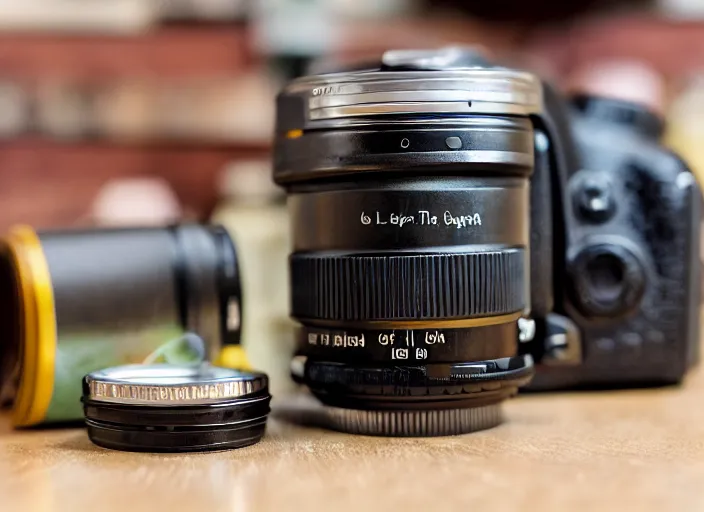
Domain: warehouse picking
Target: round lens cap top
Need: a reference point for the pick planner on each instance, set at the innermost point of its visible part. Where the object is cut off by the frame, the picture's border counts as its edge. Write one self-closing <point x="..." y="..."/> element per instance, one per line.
<point x="171" y="385"/>
<point x="175" y="408"/>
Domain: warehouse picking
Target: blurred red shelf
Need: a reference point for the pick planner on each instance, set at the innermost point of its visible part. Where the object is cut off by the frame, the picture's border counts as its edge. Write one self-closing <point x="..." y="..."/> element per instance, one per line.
<point x="673" y="47"/>
<point x="91" y="145"/>
<point x="169" y="52"/>
<point x="53" y="183"/>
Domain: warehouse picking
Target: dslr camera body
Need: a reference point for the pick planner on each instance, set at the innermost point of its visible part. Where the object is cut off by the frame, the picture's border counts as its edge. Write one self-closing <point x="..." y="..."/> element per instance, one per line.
<point x="623" y="305"/>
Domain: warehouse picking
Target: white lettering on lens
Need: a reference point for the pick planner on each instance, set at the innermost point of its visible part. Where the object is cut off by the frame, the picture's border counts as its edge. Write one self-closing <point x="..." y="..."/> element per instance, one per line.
<point x="410" y="340"/>
<point x="340" y="340"/>
<point x="462" y="221"/>
<point x="399" y="353"/>
<point x="386" y="339"/>
<point x="426" y="218"/>
<point x="329" y="89"/>
<point x="433" y="338"/>
<point x="422" y="218"/>
<point x="399" y="220"/>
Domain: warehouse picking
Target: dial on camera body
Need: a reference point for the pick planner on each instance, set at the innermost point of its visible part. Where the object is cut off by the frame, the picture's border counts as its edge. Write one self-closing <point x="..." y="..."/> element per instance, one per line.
<point x="614" y="248"/>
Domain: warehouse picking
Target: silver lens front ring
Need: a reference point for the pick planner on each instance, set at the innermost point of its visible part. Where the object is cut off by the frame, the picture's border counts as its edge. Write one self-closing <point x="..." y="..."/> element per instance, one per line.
<point x="470" y="91"/>
<point x="164" y="385"/>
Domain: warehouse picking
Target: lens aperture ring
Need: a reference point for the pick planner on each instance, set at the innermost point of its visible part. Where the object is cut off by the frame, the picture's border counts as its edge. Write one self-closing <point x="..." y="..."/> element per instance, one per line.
<point x="411" y="287"/>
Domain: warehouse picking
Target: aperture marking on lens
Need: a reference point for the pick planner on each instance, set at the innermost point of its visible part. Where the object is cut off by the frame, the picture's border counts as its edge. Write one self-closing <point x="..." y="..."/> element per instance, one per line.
<point x="359" y="345"/>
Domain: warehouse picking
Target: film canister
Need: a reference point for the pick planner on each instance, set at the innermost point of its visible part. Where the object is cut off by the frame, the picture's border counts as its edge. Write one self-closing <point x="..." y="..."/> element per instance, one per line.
<point x="76" y="301"/>
<point x="175" y="408"/>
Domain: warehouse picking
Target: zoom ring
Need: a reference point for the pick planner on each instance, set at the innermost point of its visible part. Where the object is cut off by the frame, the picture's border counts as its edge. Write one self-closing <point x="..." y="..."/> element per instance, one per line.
<point x="426" y="286"/>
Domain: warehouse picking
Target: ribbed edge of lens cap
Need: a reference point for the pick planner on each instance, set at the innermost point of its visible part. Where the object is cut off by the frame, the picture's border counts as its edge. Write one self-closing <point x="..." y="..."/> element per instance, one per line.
<point x="427" y="423"/>
<point x="175" y="408"/>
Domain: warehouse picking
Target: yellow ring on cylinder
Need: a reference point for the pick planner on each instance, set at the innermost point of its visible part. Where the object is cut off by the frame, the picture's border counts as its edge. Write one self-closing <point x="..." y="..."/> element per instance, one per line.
<point x="38" y="327"/>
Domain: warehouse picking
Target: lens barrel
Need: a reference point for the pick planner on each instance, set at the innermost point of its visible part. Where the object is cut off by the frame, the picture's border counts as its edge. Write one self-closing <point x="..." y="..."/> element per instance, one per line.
<point x="408" y="192"/>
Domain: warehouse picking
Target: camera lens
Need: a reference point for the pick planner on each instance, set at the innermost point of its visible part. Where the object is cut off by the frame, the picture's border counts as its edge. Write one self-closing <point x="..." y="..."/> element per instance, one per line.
<point x="408" y="192"/>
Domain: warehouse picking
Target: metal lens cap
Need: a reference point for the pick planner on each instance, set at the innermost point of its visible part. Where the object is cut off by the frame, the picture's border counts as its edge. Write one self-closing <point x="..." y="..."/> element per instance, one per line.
<point x="175" y="408"/>
<point x="453" y="57"/>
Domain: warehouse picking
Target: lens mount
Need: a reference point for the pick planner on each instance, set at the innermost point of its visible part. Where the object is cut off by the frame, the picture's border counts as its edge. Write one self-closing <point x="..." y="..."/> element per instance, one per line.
<point x="426" y="423"/>
<point x="429" y="400"/>
<point x="384" y="387"/>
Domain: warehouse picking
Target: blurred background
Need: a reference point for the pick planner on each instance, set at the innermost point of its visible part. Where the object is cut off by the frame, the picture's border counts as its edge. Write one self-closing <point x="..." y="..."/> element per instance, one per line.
<point x="118" y="112"/>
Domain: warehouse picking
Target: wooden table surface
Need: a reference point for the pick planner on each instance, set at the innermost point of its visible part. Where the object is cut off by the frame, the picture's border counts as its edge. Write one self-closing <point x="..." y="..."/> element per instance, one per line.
<point x="636" y="450"/>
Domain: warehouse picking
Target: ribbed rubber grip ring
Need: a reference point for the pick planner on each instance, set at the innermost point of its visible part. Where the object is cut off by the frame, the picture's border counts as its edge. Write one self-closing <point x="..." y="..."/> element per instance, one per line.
<point x="421" y="286"/>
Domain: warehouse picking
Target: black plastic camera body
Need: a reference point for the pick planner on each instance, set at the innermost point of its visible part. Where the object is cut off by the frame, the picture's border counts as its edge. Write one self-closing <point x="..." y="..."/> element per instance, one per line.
<point x="617" y="217"/>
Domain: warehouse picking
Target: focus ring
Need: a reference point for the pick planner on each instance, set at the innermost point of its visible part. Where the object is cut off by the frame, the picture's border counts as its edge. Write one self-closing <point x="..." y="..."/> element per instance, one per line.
<point x="422" y="286"/>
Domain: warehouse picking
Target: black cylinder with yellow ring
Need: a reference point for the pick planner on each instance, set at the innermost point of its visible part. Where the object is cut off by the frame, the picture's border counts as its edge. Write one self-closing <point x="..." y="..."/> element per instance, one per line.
<point x="72" y="302"/>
